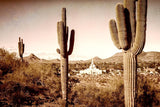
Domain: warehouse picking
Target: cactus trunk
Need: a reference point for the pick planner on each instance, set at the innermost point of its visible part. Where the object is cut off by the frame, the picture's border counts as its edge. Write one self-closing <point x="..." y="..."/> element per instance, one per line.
<point x="64" y="78"/>
<point x="129" y="34"/>
<point x="64" y="62"/>
<point x="62" y="31"/>
<point x="130" y="78"/>
<point x="21" y="48"/>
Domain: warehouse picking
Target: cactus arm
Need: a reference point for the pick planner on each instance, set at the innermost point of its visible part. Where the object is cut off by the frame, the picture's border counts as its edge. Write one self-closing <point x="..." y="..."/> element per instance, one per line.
<point x="23" y="48"/>
<point x="71" y="42"/>
<point x="19" y="48"/>
<point x="58" y="32"/>
<point x="140" y="27"/>
<point x="58" y="51"/>
<point x="67" y="28"/>
<point x="130" y="5"/>
<point x="121" y="24"/>
<point x="114" y="33"/>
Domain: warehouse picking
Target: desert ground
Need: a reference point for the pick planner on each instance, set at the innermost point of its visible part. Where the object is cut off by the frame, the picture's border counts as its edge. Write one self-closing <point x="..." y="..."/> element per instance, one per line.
<point x="36" y="82"/>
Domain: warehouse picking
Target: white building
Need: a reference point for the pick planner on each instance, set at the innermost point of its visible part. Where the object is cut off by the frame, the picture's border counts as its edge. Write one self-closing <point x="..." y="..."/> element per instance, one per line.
<point x="91" y="70"/>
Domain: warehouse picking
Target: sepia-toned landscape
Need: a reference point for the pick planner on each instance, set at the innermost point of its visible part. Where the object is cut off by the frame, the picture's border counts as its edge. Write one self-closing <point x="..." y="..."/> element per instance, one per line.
<point x="37" y="81"/>
<point x="82" y="71"/>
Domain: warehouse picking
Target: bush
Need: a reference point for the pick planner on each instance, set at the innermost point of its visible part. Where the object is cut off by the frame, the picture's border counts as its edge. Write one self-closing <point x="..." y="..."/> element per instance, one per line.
<point x="148" y="91"/>
<point x="30" y="87"/>
<point x="8" y="62"/>
<point x="108" y="91"/>
<point x="94" y="94"/>
<point x="27" y="84"/>
<point x="38" y="83"/>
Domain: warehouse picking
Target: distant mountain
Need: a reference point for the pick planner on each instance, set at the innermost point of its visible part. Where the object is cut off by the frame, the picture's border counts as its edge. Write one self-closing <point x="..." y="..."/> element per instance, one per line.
<point x="149" y="57"/>
<point x="116" y="58"/>
<point x="32" y="58"/>
<point x="95" y="59"/>
<point x="143" y="57"/>
<point x="52" y="61"/>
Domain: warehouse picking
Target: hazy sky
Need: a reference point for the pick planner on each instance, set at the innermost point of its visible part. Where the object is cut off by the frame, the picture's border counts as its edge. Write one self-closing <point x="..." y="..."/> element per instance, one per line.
<point x="36" y="22"/>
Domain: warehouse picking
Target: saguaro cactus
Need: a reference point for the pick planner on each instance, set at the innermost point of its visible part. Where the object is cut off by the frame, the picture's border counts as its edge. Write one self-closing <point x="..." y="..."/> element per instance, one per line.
<point x="21" y="48"/>
<point x="129" y="34"/>
<point x="62" y="30"/>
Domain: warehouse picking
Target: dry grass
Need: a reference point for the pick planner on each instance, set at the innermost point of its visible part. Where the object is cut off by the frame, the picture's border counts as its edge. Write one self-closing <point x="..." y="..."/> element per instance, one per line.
<point x="99" y="91"/>
<point x="27" y="84"/>
<point x="149" y="90"/>
<point x="108" y="91"/>
<point x="39" y="84"/>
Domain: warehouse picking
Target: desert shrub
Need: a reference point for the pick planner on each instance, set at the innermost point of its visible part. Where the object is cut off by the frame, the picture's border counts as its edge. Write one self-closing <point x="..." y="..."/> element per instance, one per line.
<point x="93" y="94"/>
<point x="35" y="73"/>
<point x="8" y="62"/>
<point x="148" y="91"/>
<point x="37" y="83"/>
<point x="157" y="69"/>
<point x="108" y="91"/>
<point x="23" y="83"/>
<point x="15" y="94"/>
<point x="34" y="84"/>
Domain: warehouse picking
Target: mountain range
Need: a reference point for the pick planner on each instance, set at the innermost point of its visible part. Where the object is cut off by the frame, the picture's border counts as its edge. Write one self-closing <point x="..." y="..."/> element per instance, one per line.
<point x="116" y="58"/>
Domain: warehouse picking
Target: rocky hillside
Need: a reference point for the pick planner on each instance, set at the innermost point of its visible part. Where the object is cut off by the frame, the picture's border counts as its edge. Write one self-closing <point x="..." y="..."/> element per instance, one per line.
<point x="32" y="58"/>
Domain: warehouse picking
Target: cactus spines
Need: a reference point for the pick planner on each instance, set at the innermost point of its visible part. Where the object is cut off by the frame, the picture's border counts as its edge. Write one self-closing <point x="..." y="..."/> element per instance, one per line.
<point x="21" y="48"/>
<point x="129" y="34"/>
<point x="62" y="31"/>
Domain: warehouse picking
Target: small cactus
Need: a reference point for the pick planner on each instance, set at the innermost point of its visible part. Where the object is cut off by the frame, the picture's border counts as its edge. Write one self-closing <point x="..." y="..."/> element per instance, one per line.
<point x="62" y="31"/>
<point x="21" y="48"/>
<point x="129" y="34"/>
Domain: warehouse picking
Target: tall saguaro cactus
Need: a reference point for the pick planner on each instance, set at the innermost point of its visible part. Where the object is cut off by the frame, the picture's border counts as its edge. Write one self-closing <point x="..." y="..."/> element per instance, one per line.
<point x="21" y="48"/>
<point x="62" y="30"/>
<point x="129" y="34"/>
